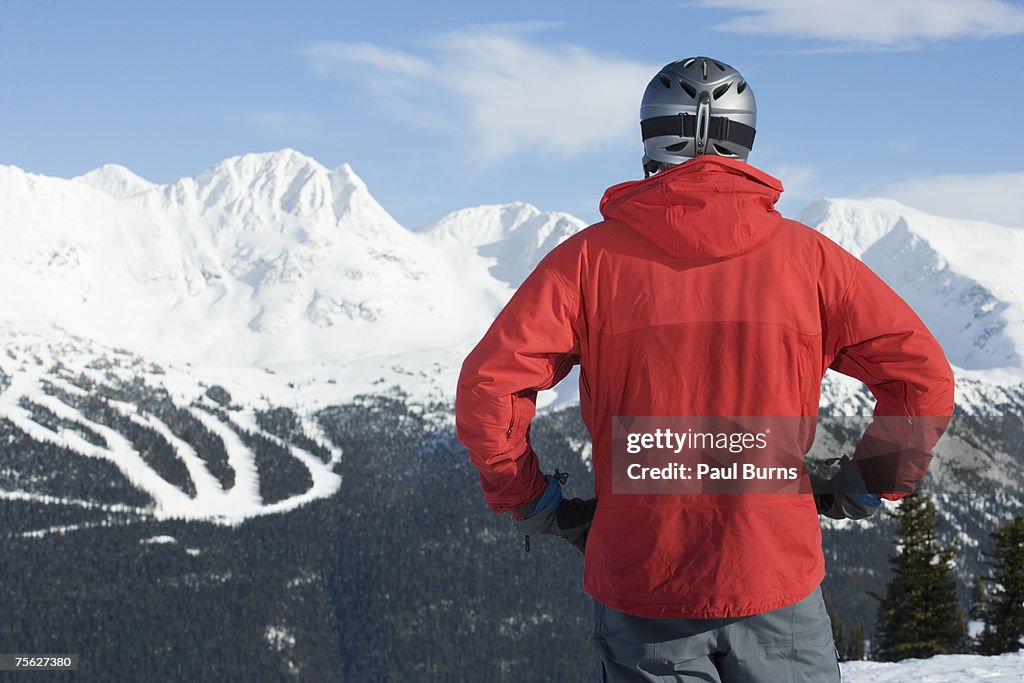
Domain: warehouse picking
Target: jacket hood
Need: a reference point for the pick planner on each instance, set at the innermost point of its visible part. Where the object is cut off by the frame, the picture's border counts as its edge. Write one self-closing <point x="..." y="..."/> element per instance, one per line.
<point x="708" y="207"/>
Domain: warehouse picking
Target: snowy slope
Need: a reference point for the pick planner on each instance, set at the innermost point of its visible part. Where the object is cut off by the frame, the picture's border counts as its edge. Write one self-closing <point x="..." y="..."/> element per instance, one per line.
<point x="1008" y="668"/>
<point x="97" y="404"/>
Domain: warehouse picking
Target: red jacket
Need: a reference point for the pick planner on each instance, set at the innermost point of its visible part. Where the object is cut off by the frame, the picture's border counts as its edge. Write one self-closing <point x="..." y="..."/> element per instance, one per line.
<point x="693" y="297"/>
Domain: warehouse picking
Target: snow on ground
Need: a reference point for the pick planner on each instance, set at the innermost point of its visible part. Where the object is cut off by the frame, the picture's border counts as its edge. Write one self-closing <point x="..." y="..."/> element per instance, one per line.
<point x="1008" y="668"/>
<point x="158" y="540"/>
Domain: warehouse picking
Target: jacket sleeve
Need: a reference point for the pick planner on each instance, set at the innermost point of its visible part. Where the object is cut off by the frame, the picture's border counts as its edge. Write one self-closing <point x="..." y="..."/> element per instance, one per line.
<point x="531" y="346"/>
<point x="874" y="336"/>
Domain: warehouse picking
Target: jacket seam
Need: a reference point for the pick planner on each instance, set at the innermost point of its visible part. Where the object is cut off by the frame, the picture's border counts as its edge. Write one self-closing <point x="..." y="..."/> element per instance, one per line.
<point x="846" y="292"/>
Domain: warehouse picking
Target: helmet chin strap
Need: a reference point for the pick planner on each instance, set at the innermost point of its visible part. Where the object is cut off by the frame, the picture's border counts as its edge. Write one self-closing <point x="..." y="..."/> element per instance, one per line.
<point x="650" y="166"/>
<point x="703" y="122"/>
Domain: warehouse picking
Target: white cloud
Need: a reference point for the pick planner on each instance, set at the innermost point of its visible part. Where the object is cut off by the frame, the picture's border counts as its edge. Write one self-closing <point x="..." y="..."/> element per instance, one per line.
<point x="994" y="197"/>
<point x="328" y="57"/>
<point x="873" y="24"/>
<point x="503" y="91"/>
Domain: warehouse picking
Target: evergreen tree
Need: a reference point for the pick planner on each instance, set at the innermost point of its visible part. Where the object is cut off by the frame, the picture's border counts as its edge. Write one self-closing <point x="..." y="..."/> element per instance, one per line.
<point x="979" y="611"/>
<point x="855" y="644"/>
<point x="1005" y="626"/>
<point x="920" y="615"/>
<point x="979" y="599"/>
<point x="838" y="630"/>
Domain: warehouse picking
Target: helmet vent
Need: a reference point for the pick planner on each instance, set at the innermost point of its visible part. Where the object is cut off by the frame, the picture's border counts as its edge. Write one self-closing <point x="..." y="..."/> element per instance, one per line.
<point x="722" y="151"/>
<point x="690" y="90"/>
<point x="688" y="62"/>
<point x="665" y="81"/>
<point x="678" y="147"/>
<point x="740" y="87"/>
<point x="718" y="64"/>
<point x="721" y="90"/>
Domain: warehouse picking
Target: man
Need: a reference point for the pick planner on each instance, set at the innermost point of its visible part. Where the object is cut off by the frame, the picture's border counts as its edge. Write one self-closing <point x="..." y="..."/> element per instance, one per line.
<point x="694" y="297"/>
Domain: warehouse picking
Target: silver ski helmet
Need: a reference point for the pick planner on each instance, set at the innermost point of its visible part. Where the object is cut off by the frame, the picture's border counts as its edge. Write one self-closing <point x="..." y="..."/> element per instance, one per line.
<point x="696" y="106"/>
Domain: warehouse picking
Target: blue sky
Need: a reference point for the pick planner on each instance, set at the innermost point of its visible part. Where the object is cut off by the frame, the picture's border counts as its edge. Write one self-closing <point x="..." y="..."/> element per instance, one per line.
<point x="440" y="106"/>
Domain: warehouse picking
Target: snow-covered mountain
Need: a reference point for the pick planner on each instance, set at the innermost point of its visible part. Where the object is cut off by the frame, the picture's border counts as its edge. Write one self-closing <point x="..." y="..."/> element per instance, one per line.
<point x="962" y="277"/>
<point x="265" y="260"/>
<point x="272" y="260"/>
<point x="287" y="283"/>
<point x="514" y="237"/>
<point x="127" y="303"/>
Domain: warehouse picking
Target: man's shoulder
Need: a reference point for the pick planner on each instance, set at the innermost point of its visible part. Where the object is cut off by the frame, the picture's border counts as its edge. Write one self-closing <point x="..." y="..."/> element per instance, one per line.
<point x="571" y="257"/>
<point x="797" y="232"/>
<point x="599" y="234"/>
<point x="588" y="238"/>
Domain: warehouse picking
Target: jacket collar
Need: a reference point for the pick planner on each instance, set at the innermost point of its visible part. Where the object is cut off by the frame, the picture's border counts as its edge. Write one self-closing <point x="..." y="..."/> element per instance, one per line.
<point x="707" y="207"/>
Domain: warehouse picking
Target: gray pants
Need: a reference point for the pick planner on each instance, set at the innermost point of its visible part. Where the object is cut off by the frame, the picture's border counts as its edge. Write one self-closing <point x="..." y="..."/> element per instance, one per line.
<point x="792" y="644"/>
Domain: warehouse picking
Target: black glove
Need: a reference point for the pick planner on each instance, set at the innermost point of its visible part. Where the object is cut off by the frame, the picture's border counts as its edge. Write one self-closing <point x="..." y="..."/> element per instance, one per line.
<point x="844" y="495"/>
<point x="556" y="516"/>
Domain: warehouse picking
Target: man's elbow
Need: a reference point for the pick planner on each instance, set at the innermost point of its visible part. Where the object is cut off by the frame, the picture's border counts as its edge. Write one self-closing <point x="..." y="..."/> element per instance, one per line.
<point x="935" y="384"/>
<point x="944" y="387"/>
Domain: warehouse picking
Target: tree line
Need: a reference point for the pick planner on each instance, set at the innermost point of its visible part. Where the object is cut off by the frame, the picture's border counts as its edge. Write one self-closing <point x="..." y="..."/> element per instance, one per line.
<point x="403" y="574"/>
<point x="920" y="615"/>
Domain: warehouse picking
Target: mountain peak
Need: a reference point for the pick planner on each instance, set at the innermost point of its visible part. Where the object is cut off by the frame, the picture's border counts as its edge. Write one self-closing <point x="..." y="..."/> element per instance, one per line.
<point x="258" y="164"/>
<point x="480" y="225"/>
<point x="855" y="224"/>
<point x="515" y="235"/>
<point x="344" y="176"/>
<point x="960" y="276"/>
<point x="115" y="180"/>
<point x="284" y="181"/>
